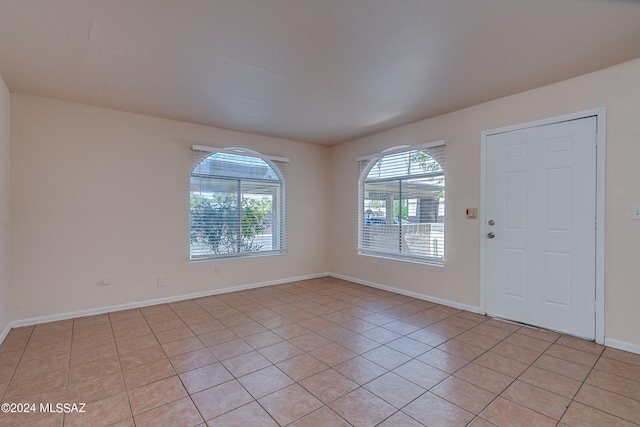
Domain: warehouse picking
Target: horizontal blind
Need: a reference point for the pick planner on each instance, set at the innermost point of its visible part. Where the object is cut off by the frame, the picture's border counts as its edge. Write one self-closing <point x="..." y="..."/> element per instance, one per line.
<point x="401" y="203"/>
<point x="237" y="203"/>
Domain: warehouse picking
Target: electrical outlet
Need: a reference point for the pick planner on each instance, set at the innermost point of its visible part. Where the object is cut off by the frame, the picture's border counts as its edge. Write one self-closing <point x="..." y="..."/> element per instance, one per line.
<point x="106" y="281"/>
<point x="376" y="266"/>
<point x="217" y="269"/>
<point x="635" y="213"/>
<point x="162" y="281"/>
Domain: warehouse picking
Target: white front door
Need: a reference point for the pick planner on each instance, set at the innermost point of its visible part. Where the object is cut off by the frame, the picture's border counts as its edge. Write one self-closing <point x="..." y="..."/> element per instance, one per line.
<point x="540" y="212"/>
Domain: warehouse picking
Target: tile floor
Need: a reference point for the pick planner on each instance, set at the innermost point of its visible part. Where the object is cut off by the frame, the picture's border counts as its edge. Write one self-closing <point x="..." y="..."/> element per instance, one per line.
<point x="320" y="352"/>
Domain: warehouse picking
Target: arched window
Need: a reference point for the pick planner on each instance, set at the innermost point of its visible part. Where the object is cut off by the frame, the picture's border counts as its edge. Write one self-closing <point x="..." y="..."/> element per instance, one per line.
<point x="237" y="205"/>
<point x="402" y="204"/>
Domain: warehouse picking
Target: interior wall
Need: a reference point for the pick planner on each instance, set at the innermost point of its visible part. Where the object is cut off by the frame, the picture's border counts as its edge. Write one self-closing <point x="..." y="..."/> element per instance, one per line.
<point x="616" y="88"/>
<point x="99" y="193"/>
<point x="5" y="234"/>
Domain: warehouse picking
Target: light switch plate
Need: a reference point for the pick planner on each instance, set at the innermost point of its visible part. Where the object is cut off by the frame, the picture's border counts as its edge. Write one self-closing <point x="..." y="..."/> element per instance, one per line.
<point x="472" y="213"/>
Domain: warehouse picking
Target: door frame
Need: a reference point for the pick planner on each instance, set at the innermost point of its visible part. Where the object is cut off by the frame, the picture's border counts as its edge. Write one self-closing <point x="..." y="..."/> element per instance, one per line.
<point x="600" y="115"/>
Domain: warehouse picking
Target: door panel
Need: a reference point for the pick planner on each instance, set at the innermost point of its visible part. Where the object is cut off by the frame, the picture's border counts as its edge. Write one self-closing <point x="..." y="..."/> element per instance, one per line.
<point x="557" y="278"/>
<point x="514" y="272"/>
<point x="540" y="192"/>
<point x="557" y="201"/>
<point x="515" y="190"/>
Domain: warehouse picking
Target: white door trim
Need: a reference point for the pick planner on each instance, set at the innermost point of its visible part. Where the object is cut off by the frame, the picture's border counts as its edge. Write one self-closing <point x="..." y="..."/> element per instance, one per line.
<point x="600" y="114"/>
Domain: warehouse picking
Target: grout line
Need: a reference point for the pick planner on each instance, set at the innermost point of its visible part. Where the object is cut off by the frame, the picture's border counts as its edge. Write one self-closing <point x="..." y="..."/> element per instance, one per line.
<point x="376" y="302"/>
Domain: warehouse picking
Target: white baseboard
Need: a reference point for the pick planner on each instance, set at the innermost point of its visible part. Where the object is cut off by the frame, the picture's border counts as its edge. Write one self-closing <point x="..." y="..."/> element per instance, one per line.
<point x="416" y="295"/>
<point x="622" y="345"/>
<point x="5" y="332"/>
<point x="609" y="342"/>
<point x="138" y="304"/>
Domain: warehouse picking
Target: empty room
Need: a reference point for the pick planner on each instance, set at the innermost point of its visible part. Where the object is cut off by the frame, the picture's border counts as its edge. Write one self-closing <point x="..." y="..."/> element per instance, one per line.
<point x="319" y="213"/>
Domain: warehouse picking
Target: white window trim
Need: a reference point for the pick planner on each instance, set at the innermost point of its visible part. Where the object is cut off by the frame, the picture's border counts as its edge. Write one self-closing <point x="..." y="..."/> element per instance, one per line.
<point x="283" y="209"/>
<point x="431" y="261"/>
<point x="402" y="149"/>
<point x="239" y="151"/>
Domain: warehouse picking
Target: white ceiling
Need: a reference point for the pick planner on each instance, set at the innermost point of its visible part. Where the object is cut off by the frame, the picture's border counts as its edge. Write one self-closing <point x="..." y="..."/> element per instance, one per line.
<point x="320" y="71"/>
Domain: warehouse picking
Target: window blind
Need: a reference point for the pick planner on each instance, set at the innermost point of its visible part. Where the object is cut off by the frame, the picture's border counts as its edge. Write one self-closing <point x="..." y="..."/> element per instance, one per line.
<point x="401" y="203"/>
<point x="237" y="203"/>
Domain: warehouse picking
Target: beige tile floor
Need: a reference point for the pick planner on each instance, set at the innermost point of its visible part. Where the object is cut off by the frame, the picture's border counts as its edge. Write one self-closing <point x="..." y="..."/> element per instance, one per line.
<point x="320" y="352"/>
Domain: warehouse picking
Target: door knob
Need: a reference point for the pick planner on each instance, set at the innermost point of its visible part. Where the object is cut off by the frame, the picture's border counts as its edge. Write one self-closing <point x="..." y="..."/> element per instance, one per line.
<point x="490" y="235"/>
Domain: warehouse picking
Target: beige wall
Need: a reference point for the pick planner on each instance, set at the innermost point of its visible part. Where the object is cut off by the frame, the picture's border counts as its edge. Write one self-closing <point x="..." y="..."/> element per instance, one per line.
<point x="616" y="88"/>
<point x="98" y="193"/>
<point x="5" y="236"/>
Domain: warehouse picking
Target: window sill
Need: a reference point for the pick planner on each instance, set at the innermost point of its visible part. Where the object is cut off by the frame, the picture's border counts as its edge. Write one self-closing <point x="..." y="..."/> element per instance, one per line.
<point x="221" y="257"/>
<point x="432" y="262"/>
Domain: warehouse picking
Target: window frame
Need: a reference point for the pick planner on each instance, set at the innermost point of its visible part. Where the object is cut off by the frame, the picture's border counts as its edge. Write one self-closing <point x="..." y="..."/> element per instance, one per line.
<point x="278" y="200"/>
<point x="367" y="164"/>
